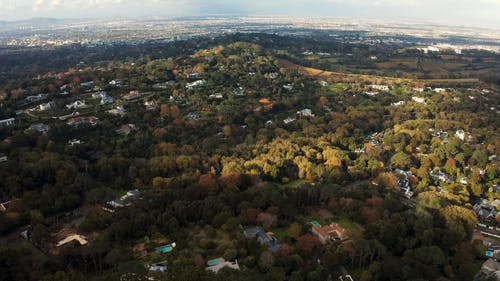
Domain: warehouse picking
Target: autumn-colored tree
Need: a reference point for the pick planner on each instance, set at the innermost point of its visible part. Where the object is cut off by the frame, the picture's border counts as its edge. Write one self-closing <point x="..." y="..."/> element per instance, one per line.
<point x="294" y="230"/>
<point x="307" y="243"/>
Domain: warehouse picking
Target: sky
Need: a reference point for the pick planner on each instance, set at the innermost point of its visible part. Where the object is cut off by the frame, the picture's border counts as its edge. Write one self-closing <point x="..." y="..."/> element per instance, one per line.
<point x="454" y="12"/>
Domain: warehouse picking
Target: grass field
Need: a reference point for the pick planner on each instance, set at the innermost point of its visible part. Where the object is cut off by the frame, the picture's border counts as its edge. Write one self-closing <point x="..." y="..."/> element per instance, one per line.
<point x="322" y="74"/>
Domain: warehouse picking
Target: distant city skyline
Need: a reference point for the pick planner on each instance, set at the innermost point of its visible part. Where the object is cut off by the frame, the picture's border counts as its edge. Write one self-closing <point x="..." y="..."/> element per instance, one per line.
<point x="453" y="12"/>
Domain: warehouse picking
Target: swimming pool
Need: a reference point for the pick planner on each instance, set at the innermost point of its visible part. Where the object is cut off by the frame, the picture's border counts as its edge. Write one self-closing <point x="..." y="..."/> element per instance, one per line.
<point x="315" y="223"/>
<point x="164" y="249"/>
<point x="215" y="261"/>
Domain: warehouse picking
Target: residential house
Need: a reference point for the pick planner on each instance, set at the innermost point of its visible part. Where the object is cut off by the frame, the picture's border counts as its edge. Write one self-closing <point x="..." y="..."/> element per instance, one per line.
<point x="132" y="95"/>
<point x="493" y="251"/>
<point x="305" y="112"/>
<point x="460" y="134"/>
<point x="40" y="128"/>
<point x="3" y="158"/>
<point x="289" y="120"/>
<point x="268" y="123"/>
<point x="66" y="86"/>
<point x="65" y="117"/>
<point x="193" y="74"/>
<point x="490" y="268"/>
<point x="7" y="122"/>
<point x="272" y="75"/>
<point x="195" y="115"/>
<point x="117" y="111"/>
<point x="218" y="96"/>
<point x="418" y="100"/>
<point x="92" y="120"/>
<point x="239" y="92"/>
<point x="75" y="105"/>
<point x="116" y="82"/>
<point x="192" y="85"/>
<point x="87" y="84"/>
<point x="124" y="201"/>
<point x="485" y="210"/>
<point x="384" y="88"/>
<point x="82" y="240"/>
<point x="46" y="106"/>
<point x="126" y="129"/>
<point x="158" y="267"/>
<point x="99" y="95"/>
<point x="440" y="176"/>
<point x="399" y="103"/>
<point x="223" y="264"/>
<point x="164" y="85"/>
<point x="107" y="100"/>
<point x="264" y="238"/>
<point x="151" y="105"/>
<point x="329" y="233"/>
<point x="464" y="180"/>
<point x="288" y="87"/>
<point x="36" y="98"/>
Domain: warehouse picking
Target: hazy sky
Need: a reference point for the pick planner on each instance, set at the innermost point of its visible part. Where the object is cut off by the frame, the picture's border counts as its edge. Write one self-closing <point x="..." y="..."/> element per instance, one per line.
<point x="464" y="12"/>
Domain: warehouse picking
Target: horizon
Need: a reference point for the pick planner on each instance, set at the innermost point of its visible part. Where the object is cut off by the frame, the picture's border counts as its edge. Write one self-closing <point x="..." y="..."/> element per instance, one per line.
<point x="481" y="14"/>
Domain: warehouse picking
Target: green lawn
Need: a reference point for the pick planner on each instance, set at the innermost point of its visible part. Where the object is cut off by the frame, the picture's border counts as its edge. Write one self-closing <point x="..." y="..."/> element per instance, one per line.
<point x="355" y="229"/>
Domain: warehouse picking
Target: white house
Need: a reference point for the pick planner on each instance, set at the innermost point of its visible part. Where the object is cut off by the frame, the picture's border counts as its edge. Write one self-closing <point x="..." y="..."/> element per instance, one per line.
<point x="460" y="134"/>
<point x="305" y="112"/>
<point x="418" y="100"/>
<point x="75" y="105"/>
<point x="289" y="120"/>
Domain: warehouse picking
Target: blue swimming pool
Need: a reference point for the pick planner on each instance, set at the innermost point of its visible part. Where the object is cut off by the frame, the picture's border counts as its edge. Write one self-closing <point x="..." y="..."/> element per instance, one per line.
<point x="315" y="223"/>
<point x="164" y="249"/>
<point x="215" y="261"/>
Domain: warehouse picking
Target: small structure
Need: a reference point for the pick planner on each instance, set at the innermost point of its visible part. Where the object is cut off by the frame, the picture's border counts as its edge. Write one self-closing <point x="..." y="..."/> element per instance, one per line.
<point x="398" y="103"/>
<point x="73" y="142"/>
<point x="166" y="248"/>
<point x="329" y="233"/>
<point x="158" y="267"/>
<point x="288" y="87"/>
<point x="221" y="263"/>
<point x="79" y="238"/>
<point x="3" y="158"/>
